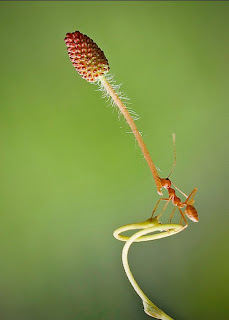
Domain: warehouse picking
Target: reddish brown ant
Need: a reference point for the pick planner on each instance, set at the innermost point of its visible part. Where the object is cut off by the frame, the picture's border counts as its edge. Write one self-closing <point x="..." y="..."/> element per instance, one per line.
<point x="190" y="211"/>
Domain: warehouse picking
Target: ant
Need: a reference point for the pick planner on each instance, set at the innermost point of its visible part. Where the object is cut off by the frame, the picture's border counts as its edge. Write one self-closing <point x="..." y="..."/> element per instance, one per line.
<point x="190" y="211"/>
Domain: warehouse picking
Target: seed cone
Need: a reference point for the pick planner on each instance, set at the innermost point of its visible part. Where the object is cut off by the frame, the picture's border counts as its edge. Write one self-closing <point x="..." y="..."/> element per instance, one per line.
<point x="87" y="58"/>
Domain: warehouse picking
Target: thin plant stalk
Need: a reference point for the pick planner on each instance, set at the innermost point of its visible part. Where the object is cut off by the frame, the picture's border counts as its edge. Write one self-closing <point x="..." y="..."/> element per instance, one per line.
<point x="111" y="92"/>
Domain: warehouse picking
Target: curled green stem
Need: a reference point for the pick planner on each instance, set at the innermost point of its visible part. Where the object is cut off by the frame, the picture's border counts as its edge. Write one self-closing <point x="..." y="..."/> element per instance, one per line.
<point x="147" y="227"/>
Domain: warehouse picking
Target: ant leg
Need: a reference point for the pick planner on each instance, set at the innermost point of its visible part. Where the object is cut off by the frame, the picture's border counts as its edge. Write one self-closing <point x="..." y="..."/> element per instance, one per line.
<point x="170" y="219"/>
<point x="183" y="217"/>
<point x="170" y="198"/>
<point x="158" y="204"/>
<point x="190" y="200"/>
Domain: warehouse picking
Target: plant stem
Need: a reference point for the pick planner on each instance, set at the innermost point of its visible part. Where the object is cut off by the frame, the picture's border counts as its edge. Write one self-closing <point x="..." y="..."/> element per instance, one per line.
<point x="134" y="129"/>
<point x="149" y="226"/>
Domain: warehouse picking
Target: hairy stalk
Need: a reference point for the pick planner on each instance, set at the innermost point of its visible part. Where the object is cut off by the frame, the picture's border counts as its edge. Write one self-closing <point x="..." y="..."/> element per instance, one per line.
<point x="148" y="226"/>
<point x="111" y="92"/>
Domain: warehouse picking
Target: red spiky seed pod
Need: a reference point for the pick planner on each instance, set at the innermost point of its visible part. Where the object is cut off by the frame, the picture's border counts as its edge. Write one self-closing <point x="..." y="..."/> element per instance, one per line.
<point x="87" y="58"/>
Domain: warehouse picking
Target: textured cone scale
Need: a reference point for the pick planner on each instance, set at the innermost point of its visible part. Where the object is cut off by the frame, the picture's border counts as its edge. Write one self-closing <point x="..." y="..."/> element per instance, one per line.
<point x="87" y="58"/>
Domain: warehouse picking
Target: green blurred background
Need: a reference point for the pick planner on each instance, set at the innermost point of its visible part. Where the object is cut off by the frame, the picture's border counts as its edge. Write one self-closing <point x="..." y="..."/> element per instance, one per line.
<point x="71" y="174"/>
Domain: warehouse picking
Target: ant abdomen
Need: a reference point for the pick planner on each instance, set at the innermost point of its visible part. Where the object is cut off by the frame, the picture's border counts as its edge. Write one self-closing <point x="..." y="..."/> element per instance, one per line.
<point x="191" y="213"/>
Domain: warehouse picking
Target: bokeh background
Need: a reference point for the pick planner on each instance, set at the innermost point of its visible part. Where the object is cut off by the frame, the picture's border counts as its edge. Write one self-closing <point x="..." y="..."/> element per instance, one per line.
<point x="70" y="173"/>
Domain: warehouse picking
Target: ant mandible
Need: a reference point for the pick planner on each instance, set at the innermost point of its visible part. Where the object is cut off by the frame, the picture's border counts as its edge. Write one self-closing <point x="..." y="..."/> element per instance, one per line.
<point x="190" y="211"/>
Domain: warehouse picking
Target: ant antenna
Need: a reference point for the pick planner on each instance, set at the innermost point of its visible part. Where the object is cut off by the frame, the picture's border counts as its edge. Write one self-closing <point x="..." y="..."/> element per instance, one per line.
<point x="174" y="153"/>
<point x="180" y="191"/>
<point x="174" y="163"/>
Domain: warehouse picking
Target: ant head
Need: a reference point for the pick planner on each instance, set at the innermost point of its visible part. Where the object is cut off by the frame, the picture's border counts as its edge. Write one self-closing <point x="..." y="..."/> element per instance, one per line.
<point x="166" y="183"/>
